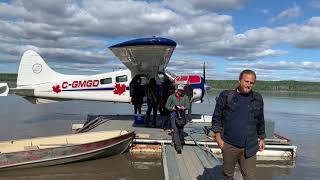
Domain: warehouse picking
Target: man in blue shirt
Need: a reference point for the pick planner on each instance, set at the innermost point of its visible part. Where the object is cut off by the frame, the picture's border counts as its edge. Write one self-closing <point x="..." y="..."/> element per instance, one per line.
<point x="238" y="124"/>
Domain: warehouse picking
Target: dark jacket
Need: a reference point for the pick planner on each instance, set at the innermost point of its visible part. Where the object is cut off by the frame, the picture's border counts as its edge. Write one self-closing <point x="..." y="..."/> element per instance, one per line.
<point x="153" y="94"/>
<point x="137" y="93"/>
<point x="225" y="105"/>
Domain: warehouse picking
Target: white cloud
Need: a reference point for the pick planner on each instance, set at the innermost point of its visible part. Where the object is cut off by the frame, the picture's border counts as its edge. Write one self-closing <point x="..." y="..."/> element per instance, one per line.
<point x="290" y="13"/>
<point x="264" y="11"/>
<point x="281" y="70"/>
<point x="79" y="31"/>
<point x="193" y="7"/>
<point x="86" y="68"/>
<point x="73" y="27"/>
<point x="190" y="66"/>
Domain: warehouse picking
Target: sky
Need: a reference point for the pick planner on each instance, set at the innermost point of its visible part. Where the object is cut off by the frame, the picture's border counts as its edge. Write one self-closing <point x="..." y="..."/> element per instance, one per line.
<point x="279" y="40"/>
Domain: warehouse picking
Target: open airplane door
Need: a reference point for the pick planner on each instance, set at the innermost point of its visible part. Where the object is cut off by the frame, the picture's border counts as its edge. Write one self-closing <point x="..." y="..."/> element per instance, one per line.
<point x="146" y="55"/>
<point x="4" y="89"/>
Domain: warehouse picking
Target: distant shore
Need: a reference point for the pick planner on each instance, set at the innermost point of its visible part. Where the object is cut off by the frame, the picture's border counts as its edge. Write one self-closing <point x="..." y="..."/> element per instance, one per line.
<point x="215" y="92"/>
<point x="270" y="86"/>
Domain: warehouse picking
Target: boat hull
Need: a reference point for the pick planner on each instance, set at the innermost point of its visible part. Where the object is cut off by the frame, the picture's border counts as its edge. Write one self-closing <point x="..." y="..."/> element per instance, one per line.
<point x="66" y="154"/>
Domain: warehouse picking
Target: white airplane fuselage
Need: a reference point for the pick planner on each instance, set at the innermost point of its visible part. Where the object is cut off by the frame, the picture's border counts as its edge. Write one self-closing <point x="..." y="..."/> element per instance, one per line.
<point x="113" y="87"/>
<point x="148" y="57"/>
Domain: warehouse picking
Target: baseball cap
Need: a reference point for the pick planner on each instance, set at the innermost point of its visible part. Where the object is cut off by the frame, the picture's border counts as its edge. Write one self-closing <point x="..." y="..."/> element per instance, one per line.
<point x="180" y="87"/>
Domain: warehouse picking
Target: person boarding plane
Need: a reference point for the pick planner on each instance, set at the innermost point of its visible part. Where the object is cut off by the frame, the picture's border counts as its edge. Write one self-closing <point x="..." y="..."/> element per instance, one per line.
<point x="147" y="57"/>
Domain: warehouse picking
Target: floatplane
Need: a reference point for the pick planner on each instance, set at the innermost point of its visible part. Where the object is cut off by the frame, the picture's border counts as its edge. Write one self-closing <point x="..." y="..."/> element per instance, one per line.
<point x="146" y="57"/>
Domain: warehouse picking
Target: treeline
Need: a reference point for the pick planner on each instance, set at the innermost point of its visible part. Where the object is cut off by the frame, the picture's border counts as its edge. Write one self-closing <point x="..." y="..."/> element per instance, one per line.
<point x="269" y="85"/>
<point x="5" y="77"/>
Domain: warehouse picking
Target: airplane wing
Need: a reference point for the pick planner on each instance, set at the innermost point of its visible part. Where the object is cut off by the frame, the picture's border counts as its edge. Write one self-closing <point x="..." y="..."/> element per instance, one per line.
<point x="146" y="55"/>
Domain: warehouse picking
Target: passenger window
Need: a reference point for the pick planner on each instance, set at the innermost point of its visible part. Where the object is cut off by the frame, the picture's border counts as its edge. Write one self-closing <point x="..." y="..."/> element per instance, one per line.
<point x="123" y="78"/>
<point x="106" y="81"/>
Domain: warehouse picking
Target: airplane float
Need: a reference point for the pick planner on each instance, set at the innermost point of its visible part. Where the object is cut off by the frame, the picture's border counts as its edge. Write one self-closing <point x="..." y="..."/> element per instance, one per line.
<point x="145" y="57"/>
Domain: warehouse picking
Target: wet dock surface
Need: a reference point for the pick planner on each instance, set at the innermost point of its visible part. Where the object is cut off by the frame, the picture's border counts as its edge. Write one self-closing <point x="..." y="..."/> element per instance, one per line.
<point x="193" y="131"/>
<point x="195" y="162"/>
<point x="192" y="163"/>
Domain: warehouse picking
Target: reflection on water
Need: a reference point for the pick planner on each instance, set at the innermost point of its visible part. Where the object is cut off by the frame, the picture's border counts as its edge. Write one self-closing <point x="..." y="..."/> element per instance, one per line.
<point x="296" y="117"/>
<point x="125" y="166"/>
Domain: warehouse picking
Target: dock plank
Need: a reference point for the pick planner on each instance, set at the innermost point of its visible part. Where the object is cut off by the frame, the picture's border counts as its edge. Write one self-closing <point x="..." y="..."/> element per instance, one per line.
<point x="182" y="166"/>
<point x="172" y="164"/>
<point x="191" y="161"/>
<point x="212" y="166"/>
<point x="192" y="164"/>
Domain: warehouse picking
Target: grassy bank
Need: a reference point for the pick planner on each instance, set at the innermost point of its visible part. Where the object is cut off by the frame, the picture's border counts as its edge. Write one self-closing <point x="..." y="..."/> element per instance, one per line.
<point x="10" y="78"/>
<point x="4" y="77"/>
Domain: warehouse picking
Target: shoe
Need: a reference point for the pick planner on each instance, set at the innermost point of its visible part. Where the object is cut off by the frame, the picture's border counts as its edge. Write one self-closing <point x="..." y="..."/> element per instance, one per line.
<point x="172" y="144"/>
<point x="179" y="151"/>
<point x="206" y="130"/>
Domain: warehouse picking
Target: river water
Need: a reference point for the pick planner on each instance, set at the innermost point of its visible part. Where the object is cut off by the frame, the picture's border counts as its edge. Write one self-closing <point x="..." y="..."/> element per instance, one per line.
<point x="297" y="117"/>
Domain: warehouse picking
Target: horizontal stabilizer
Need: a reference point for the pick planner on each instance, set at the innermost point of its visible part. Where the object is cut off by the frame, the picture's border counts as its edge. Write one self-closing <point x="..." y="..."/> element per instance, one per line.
<point x="4" y="89"/>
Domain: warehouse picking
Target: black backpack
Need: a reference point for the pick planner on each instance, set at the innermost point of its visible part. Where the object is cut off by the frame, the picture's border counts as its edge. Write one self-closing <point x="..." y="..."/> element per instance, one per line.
<point x="181" y="120"/>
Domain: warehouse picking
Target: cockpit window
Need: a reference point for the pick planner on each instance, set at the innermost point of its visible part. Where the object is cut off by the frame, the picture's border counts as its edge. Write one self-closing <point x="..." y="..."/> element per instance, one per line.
<point x="106" y="81"/>
<point x="123" y="78"/>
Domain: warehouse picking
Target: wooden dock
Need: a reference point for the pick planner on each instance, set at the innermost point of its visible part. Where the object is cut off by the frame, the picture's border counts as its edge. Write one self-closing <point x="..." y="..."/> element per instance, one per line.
<point x="198" y="159"/>
<point x="195" y="161"/>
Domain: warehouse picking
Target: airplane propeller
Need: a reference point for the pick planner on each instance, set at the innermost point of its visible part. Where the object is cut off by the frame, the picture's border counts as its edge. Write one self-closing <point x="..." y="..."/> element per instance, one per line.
<point x="206" y="87"/>
<point x="204" y="72"/>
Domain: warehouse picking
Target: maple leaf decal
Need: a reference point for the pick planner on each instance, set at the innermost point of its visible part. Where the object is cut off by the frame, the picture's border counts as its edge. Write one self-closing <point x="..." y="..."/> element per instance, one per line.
<point x="56" y="89"/>
<point x="119" y="89"/>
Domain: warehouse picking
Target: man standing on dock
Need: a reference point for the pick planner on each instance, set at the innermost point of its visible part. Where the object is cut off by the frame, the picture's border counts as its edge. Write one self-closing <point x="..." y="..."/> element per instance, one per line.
<point x="153" y="97"/>
<point x="238" y="125"/>
<point x="175" y="101"/>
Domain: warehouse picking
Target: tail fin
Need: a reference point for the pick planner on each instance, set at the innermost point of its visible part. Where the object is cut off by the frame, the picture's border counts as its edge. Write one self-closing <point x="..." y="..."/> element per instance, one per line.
<point x="34" y="71"/>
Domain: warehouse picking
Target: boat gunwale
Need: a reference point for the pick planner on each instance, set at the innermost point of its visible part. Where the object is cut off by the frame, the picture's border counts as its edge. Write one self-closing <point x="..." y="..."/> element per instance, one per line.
<point x="60" y="145"/>
<point x="69" y="135"/>
<point x="130" y="134"/>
